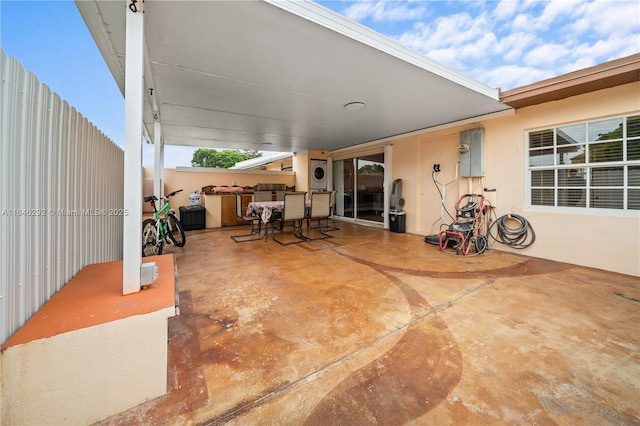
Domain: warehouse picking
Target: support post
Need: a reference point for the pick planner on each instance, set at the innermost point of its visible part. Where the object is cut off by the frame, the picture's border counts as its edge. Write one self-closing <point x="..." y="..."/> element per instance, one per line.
<point x="134" y="86"/>
<point x="158" y="160"/>
<point x="388" y="174"/>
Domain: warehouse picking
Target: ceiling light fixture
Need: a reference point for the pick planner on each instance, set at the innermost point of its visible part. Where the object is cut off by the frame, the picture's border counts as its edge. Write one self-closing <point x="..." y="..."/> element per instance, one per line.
<point x="354" y="106"/>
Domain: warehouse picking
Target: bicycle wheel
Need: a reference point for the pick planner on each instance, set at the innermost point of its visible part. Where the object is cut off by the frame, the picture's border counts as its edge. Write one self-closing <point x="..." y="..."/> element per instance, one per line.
<point x="175" y="231"/>
<point x="150" y="246"/>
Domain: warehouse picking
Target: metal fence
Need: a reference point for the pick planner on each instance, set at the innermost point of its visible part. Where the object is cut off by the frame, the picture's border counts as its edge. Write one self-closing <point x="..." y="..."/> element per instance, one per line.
<point x="61" y="195"/>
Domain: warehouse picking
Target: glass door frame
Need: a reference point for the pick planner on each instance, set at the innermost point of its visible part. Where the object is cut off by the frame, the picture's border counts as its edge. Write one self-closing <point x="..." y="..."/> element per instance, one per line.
<point x="343" y="210"/>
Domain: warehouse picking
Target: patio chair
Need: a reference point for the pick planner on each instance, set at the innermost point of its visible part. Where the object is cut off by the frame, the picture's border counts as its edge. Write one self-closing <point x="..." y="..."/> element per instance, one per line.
<point x="320" y="210"/>
<point x="294" y="211"/>
<point x="256" y="223"/>
<point x="262" y="196"/>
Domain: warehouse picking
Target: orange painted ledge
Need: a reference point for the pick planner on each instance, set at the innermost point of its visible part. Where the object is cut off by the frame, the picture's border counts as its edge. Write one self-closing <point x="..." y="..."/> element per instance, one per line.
<point x="94" y="297"/>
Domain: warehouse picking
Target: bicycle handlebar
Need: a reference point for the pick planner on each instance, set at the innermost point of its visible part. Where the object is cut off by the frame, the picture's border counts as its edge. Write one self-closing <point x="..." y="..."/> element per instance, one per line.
<point x="173" y="193"/>
<point x="153" y="198"/>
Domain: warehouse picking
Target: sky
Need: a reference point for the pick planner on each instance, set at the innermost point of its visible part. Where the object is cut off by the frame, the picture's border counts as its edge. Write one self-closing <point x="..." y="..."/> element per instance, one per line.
<point x="504" y="44"/>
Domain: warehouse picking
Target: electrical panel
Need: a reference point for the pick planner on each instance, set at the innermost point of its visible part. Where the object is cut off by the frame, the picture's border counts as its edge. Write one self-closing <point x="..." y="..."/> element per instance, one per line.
<point x="472" y="153"/>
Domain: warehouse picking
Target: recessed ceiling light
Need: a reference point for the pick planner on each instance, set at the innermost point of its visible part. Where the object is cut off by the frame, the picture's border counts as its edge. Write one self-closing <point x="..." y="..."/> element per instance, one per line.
<point x="354" y="106"/>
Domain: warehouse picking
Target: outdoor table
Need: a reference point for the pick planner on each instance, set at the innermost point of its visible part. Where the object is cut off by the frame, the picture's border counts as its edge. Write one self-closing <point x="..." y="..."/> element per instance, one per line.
<point x="265" y="210"/>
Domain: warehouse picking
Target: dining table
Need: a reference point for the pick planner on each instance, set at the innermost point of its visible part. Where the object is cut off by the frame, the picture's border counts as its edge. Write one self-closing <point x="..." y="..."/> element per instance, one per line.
<point x="265" y="210"/>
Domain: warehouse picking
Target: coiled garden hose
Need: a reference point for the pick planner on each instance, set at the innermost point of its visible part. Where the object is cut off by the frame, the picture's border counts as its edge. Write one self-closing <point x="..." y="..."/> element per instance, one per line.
<point x="515" y="237"/>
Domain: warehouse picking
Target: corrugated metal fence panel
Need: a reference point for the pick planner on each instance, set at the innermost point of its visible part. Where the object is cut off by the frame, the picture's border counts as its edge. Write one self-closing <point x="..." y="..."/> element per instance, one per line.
<point x="61" y="195"/>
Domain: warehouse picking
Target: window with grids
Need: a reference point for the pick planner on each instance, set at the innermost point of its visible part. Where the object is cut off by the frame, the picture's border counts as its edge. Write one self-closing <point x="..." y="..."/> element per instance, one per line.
<point x="591" y="165"/>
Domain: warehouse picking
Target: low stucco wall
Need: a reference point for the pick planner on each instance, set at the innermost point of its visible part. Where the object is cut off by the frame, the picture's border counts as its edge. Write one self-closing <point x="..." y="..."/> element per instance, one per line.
<point x="89" y="352"/>
<point x="86" y="375"/>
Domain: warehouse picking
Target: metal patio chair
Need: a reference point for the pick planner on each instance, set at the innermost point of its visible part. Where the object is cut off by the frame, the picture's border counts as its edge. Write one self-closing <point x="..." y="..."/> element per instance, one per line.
<point x="294" y="211"/>
<point x="255" y="220"/>
<point x="320" y="211"/>
<point x="262" y="196"/>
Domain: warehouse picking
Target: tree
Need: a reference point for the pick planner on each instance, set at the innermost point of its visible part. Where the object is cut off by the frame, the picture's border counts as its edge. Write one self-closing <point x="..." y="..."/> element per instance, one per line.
<point x="371" y="169"/>
<point x="207" y="157"/>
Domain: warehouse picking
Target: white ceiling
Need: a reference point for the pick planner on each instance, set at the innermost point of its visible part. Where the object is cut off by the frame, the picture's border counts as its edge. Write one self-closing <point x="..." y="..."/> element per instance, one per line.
<point x="276" y="75"/>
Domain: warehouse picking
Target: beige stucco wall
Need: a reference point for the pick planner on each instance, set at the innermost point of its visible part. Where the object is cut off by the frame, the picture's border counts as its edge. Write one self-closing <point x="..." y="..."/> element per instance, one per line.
<point x="193" y="179"/>
<point x="604" y="240"/>
<point x="300" y="162"/>
<point x="86" y="375"/>
<point x="301" y="165"/>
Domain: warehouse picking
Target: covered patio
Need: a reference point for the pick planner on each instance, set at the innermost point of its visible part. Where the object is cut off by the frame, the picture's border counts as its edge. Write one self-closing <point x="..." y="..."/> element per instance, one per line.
<point x="284" y="76"/>
<point x="373" y="327"/>
<point x="369" y="327"/>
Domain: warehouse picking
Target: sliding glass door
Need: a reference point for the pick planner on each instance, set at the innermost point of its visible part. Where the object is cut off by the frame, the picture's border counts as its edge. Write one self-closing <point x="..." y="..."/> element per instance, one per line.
<point x="359" y="185"/>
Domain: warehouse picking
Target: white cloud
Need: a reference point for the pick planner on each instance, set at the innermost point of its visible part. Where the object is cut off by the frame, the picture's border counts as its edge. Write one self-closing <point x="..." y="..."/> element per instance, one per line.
<point x="459" y="29"/>
<point x="608" y="18"/>
<point x="514" y="42"/>
<point x="450" y="31"/>
<point x="557" y="10"/>
<point x="505" y="10"/>
<point x="381" y="11"/>
<point x="479" y="48"/>
<point x="510" y="76"/>
<point x="360" y="11"/>
<point x="448" y="57"/>
<point x="523" y="20"/>
<point x="513" y="46"/>
<point x="605" y="50"/>
<point x="546" y="54"/>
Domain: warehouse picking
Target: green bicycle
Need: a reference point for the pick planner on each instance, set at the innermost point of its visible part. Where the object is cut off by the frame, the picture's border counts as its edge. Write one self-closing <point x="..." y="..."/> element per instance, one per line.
<point x="163" y="229"/>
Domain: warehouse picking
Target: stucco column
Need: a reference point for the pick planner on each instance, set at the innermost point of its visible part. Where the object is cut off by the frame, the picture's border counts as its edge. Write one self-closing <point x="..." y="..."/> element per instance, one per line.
<point x="388" y="174"/>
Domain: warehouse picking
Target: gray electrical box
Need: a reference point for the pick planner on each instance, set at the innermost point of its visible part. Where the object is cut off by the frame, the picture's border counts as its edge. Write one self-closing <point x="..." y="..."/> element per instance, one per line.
<point x="148" y="273"/>
<point x="472" y="153"/>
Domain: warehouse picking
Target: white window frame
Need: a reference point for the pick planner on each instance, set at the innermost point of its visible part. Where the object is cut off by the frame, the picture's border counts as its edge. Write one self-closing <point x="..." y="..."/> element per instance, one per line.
<point x="588" y="166"/>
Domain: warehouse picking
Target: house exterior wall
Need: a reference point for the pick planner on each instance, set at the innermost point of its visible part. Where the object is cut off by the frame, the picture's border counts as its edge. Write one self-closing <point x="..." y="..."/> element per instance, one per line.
<point x="607" y="240"/>
<point x="300" y="164"/>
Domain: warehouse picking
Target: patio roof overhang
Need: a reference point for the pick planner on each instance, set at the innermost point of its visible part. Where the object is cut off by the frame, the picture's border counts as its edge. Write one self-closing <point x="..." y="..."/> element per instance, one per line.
<point x="276" y="76"/>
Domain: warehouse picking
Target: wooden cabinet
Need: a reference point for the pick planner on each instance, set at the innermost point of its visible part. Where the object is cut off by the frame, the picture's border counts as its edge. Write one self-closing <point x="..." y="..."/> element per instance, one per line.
<point x="221" y="209"/>
<point x="228" y="209"/>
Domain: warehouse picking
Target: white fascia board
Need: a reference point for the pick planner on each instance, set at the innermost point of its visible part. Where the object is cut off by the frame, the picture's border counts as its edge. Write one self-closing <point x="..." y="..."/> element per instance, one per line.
<point x="258" y="161"/>
<point x="327" y="18"/>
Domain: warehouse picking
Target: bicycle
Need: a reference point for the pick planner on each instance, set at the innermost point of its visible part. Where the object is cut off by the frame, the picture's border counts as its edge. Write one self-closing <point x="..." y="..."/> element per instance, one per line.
<point x="163" y="229"/>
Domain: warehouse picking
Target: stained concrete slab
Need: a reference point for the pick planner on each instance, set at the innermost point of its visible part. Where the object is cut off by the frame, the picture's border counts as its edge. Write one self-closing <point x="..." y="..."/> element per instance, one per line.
<point x="379" y="328"/>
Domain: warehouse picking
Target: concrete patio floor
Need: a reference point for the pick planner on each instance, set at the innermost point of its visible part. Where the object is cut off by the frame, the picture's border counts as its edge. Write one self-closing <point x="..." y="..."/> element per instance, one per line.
<point x="378" y="328"/>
